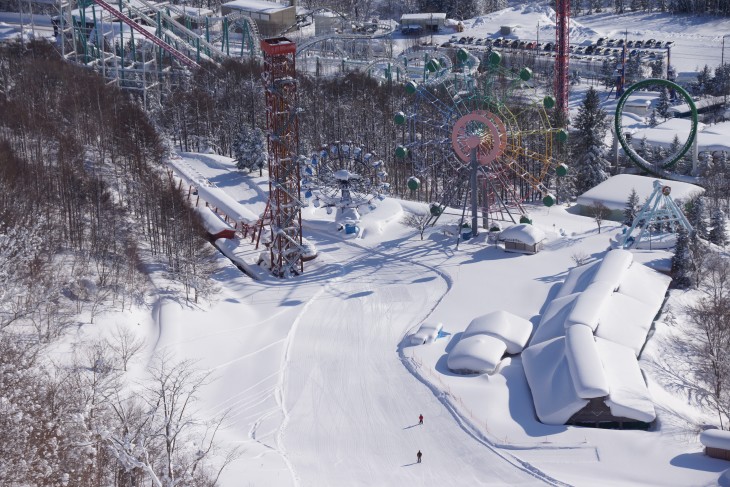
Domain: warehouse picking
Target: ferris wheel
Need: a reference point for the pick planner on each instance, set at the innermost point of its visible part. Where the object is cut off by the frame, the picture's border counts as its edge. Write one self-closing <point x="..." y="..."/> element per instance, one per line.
<point x="480" y="138"/>
<point x="345" y="177"/>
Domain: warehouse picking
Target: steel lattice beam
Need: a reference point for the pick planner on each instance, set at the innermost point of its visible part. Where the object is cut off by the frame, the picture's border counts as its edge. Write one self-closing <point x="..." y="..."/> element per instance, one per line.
<point x="562" y="42"/>
<point x="283" y="213"/>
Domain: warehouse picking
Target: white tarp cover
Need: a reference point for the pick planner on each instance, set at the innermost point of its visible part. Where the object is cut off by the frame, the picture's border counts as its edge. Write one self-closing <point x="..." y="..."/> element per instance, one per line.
<point x="552" y="322"/>
<point x="716" y="439"/>
<point x="613" y="267"/>
<point x="511" y="329"/>
<point x="211" y="222"/>
<point x="478" y="353"/>
<point x="589" y="306"/>
<point x="629" y="397"/>
<point x="627" y="321"/>
<point x="426" y="333"/>
<point x="589" y="378"/>
<point x="548" y="376"/>
<point x="523" y="233"/>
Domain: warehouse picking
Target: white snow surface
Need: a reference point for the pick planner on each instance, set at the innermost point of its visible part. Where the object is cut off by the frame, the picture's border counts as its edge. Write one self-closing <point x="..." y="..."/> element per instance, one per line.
<point x="716" y="438"/>
<point x="615" y="191"/>
<point x="586" y="369"/>
<point x="211" y="222"/>
<point x="426" y="333"/>
<point x="324" y="388"/>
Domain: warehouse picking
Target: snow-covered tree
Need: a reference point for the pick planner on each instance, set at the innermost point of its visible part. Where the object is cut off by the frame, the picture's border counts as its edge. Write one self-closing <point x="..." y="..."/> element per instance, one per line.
<point x="718" y="233"/>
<point x="695" y="211"/>
<point x="662" y="106"/>
<point x="653" y="122"/>
<point x="632" y="208"/>
<point x="589" y="149"/>
<point x="250" y="149"/>
<point x="681" y="261"/>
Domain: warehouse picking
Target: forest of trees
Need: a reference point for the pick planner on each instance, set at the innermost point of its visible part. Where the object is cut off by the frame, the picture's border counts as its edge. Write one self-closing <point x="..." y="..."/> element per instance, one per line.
<point x="87" y="211"/>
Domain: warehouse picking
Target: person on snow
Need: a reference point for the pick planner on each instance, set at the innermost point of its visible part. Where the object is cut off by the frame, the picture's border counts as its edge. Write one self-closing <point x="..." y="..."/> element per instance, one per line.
<point x="420" y="419"/>
<point x="419" y="455"/>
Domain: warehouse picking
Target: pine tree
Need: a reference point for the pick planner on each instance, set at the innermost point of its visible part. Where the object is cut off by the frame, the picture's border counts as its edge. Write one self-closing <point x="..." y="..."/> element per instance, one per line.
<point x="591" y="125"/>
<point x="663" y="103"/>
<point x="249" y="149"/>
<point x="681" y="261"/>
<point x="653" y="122"/>
<point x="718" y="234"/>
<point x="632" y="208"/>
<point x="694" y="210"/>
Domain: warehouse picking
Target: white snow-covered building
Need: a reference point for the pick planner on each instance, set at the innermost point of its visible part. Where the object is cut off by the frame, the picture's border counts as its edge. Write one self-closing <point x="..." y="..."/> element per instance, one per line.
<point x="582" y="365"/>
<point x="614" y="192"/>
<point x="271" y="18"/>
<point x="523" y="238"/>
<point x="423" y="22"/>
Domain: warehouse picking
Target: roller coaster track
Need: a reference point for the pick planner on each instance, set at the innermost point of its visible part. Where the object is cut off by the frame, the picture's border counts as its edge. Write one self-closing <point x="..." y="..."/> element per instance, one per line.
<point x="152" y="38"/>
<point x="307" y="44"/>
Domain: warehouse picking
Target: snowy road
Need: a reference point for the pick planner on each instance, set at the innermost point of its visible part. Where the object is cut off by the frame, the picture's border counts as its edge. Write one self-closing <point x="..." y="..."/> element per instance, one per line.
<point x="353" y="407"/>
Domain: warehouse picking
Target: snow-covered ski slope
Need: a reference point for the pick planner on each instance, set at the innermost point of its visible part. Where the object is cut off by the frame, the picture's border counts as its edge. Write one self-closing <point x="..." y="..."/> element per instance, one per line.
<point x="323" y="390"/>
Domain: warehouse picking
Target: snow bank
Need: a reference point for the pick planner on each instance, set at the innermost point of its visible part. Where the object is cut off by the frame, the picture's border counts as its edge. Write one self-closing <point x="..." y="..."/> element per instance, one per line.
<point x="211" y="222"/>
<point x="589" y="379"/>
<point x="629" y="397"/>
<point x="716" y="439"/>
<point x="627" y="321"/>
<point x="524" y="233"/>
<point x="511" y="329"/>
<point x="427" y="333"/>
<point x="478" y="353"/>
<point x="552" y="322"/>
<point x="218" y="198"/>
<point x="548" y="376"/>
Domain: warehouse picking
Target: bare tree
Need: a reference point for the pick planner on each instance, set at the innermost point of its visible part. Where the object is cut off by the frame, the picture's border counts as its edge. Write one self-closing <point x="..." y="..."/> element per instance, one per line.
<point x="599" y="212"/>
<point x="125" y="344"/>
<point x="418" y="220"/>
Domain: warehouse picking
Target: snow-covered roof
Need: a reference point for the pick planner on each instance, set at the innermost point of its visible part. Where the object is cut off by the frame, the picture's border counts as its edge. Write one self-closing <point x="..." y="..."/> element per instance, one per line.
<point x="715" y="438"/>
<point x="615" y="191"/>
<point x="477" y="353"/>
<point x="411" y="17"/>
<point x="211" y="222"/>
<point x="511" y="329"/>
<point x="261" y="6"/>
<point x="524" y="233"/>
<point x="612" y="302"/>
<point x="548" y="375"/>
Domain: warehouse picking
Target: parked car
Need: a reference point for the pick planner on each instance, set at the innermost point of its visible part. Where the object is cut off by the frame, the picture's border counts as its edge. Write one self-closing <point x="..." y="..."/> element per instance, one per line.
<point x="600" y="41"/>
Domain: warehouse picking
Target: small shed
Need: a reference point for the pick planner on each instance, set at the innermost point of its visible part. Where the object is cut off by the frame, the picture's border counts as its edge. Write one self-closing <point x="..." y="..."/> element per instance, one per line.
<point x="430" y="22"/>
<point x="523" y="238"/>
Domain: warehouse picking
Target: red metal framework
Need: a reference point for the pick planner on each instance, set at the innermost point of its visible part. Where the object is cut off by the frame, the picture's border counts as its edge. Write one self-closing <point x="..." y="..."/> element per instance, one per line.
<point x="562" y="42"/>
<point x="283" y="212"/>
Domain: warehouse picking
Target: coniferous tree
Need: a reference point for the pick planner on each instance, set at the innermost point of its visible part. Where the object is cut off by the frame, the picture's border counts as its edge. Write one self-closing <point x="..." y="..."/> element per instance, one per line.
<point x="249" y="149"/>
<point x="718" y="233"/>
<point x="632" y="208"/>
<point x="653" y="122"/>
<point x="694" y="210"/>
<point x="681" y="261"/>
<point x="663" y="103"/>
<point x="591" y="125"/>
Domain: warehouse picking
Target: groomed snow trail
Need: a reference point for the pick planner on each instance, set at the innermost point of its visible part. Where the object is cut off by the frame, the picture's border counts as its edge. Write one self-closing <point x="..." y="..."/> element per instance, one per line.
<point x="352" y="407"/>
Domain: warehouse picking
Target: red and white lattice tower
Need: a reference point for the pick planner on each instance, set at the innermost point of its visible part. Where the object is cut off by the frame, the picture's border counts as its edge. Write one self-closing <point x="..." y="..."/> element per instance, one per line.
<point x="562" y="42"/>
<point x="283" y="212"/>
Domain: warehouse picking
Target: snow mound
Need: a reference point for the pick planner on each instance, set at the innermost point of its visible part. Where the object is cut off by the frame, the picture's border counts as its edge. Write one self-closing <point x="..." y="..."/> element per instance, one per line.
<point x="584" y="362"/>
<point x="548" y="375"/>
<point x="629" y="397"/>
<point x="524" y="233"/>
<point x="715" y="438"/>
<point x="477" y="353"/>
<point x="589" y="306"/>
<point x="552" y="322"/>
<point x="426" y="333"/>
<point x="511" y="329"/>
<point x="212" y="222"/>
<point x="626" y="321"/>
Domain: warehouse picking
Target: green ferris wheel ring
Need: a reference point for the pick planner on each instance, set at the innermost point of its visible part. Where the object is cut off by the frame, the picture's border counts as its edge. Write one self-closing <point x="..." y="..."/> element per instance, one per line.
<point x="670" y="160"/>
